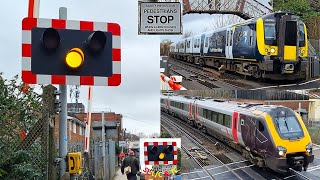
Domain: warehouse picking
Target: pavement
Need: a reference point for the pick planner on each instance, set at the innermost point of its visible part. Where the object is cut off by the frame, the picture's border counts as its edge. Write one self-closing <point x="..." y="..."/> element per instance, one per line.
<point x="119" y="176"/>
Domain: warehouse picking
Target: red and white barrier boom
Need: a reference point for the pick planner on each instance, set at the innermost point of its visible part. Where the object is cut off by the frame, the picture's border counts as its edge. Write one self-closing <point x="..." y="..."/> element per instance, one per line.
<point x="172" y="85"/>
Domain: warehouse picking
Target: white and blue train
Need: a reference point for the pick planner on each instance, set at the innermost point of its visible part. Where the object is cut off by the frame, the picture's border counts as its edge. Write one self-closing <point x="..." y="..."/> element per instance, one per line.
<point x="274" y="46"/>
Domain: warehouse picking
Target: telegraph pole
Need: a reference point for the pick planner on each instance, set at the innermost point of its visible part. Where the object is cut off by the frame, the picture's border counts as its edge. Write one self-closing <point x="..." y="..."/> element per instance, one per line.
<point x="63" y="145"/>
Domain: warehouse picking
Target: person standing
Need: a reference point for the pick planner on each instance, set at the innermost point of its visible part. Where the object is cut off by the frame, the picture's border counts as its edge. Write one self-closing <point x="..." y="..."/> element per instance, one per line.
<point x="133" y="163"/>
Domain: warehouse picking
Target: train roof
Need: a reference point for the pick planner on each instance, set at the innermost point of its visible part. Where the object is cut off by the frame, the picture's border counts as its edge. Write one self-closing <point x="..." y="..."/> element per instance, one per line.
<point x="273" y="14"/>
<point x="224" y="105"/>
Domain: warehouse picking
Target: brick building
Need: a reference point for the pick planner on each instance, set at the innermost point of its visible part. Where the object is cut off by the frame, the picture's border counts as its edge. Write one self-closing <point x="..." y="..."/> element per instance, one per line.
<point x="113" y="122"/>
<point x="76" y="128"/>
<point x="75" y="132"/>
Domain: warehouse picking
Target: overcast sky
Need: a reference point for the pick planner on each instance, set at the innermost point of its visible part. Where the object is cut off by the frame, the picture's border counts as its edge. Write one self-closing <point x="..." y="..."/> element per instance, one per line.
<point x="138" y="96"/>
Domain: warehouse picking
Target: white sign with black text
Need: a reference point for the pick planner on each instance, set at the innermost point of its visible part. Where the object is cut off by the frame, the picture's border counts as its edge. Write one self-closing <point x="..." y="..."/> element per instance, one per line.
<point x="160" y="18"/>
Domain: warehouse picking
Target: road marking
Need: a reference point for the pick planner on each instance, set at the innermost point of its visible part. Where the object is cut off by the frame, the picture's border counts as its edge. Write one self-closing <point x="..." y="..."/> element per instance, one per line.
<point x="313" y="169"/>
<point x="309" y="81"/>
<point x="233" y="169"/>
<point x="200" y="178"/>
<point x="289" y="177"/>
<point x="285" y="85"/>
<point x="226" y="165"/>
<point x="264" y="87"/>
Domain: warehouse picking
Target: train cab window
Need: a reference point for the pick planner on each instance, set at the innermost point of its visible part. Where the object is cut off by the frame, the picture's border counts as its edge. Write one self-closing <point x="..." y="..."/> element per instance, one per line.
<point x="301" y="36"/>
<point x="227" y="120"/>
<point x="220" y="118"/>
<point x="270" y="33"/>
<point x="261" y="126"/>
<point x="291" y="33"/>
<point x="289" y="127"/>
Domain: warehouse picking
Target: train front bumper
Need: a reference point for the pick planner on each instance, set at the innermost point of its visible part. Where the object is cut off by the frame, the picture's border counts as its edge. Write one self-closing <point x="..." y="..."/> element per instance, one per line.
<point x="282" y="165"/>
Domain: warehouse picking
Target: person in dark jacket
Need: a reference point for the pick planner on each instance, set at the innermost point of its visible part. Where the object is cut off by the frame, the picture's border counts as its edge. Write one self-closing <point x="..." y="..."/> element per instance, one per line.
<point x="134" y="163"/>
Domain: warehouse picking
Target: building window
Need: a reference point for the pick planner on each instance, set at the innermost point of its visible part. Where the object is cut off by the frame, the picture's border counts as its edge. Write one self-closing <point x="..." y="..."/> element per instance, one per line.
<point x="80" y="130"/>
<point x="70" y="125"/>
<point x="74" y="127"/>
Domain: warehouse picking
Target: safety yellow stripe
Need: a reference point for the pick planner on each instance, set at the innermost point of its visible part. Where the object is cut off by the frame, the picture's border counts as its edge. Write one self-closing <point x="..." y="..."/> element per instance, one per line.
<point x="290" y="53"/>
<point x="260" y="36"/>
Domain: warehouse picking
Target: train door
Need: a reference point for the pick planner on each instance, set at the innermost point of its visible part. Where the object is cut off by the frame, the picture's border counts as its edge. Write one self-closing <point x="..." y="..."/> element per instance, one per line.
<point x="248" y="130"/>
<point x="229" y="42"/>
<point x="261" y="136"/>
<point x="202" y="44"/>
<point x="190" y="111"/>
<point x="195" y="112"/>
<point x="235" y="121"/>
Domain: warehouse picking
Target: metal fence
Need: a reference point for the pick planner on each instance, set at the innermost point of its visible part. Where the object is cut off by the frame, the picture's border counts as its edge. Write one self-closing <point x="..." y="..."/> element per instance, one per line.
<point x="104" y="160"/>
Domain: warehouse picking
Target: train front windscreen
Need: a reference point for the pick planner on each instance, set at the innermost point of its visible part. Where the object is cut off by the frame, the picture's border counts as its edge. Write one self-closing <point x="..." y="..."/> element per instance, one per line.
<point x="288" y="126"/>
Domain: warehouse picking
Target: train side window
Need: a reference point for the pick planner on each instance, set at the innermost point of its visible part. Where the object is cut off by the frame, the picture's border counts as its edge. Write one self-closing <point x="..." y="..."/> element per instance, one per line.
<point x="261" y="126"/>
<point x="204" y="113"/>
<point x="227" y="120"/>
<point x="220" y="118"/>
<point x="209" y="114"/>
<point x="214" y="116"/>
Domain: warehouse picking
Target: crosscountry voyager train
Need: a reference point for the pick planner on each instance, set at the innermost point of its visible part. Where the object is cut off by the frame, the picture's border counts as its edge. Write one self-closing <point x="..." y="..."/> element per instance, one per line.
<point x="269" y="136"/>
<point x="273" y="46"/>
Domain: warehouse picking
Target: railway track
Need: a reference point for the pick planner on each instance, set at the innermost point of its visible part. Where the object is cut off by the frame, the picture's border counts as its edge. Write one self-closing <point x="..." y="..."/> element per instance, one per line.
<point x="204" y="78"/>
<point x="223" y="165"/>
<point x="227" y="80"/>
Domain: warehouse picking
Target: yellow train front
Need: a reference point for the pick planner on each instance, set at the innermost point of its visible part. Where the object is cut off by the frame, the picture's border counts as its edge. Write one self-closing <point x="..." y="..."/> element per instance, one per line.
<point x="282" y="41"/>
<point x="281" y="138"/>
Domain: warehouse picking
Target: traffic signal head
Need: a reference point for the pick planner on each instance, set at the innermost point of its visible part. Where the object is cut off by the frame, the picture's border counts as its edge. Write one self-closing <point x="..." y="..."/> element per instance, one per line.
<point x="50" y="39"/>
<point x="96" y="42"/>
<point x="80" y="53"/>
<point x="160" y="152"/>
<point x="70" y="52"/>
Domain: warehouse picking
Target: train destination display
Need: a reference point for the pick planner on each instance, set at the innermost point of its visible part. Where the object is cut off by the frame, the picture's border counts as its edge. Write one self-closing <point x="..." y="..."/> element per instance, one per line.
<point x="160" y="18"/>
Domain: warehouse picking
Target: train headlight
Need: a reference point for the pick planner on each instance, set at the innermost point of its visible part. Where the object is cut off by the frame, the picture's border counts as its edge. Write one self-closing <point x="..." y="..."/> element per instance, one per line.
<point x="266" y="49"/>
<point x="281" y="150"/>
<point x="272" y="50"/>
<point x="309" y="148"/>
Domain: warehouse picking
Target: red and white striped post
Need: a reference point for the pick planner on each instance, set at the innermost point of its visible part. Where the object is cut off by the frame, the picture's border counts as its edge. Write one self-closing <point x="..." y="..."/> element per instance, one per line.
<point x="33" y="8"/>
<point x="88" y="122"/>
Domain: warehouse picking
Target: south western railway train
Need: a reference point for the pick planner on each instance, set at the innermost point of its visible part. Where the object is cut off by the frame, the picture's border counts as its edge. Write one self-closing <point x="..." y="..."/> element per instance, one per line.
<point x="269" y="136"/>
<point x="273" y="46"/>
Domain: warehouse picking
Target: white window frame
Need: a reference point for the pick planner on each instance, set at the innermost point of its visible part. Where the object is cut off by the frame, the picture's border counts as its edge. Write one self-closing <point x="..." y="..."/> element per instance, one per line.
<point x="75" y="127"/>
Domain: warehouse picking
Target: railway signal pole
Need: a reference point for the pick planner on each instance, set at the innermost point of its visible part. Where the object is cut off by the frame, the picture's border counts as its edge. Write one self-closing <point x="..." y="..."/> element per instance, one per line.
<point x="63" y="145"/>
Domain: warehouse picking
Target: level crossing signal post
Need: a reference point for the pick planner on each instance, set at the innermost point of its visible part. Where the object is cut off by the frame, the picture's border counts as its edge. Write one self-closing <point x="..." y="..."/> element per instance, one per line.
<point x="67" y="52"/>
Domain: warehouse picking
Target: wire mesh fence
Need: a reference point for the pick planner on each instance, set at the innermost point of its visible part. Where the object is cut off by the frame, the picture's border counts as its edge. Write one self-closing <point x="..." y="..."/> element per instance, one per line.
<point x="24" y="134"/>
